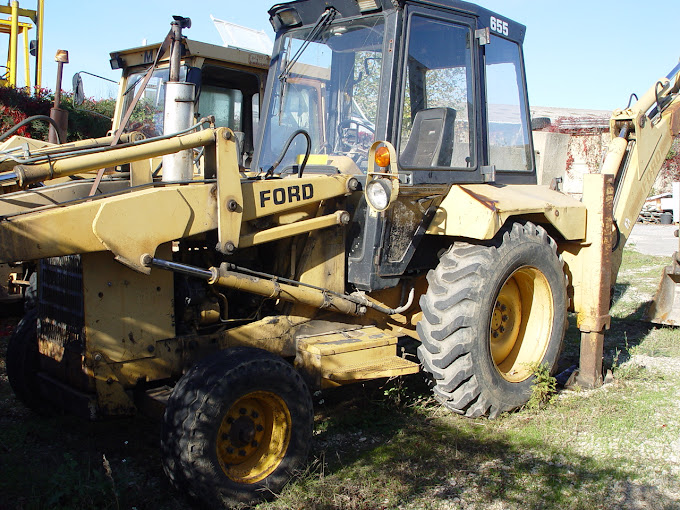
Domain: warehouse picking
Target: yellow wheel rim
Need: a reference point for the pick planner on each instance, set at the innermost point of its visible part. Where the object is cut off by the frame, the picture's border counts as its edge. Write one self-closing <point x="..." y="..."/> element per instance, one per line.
<point x="521" y="323"/>
<point x="253" y="437"/>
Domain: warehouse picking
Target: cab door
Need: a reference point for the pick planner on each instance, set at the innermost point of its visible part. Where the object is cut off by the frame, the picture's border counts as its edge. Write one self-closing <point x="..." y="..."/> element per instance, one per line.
<point x="437" y="120"/>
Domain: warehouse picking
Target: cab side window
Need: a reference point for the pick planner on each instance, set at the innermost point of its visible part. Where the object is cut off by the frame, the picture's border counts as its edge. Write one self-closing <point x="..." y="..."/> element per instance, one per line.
<point x="506" y="108"/>
<point x="437" y="119"/>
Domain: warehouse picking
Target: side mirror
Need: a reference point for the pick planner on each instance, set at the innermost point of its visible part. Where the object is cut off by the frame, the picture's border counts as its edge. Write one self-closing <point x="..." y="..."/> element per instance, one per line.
<point x="78" y="90"/>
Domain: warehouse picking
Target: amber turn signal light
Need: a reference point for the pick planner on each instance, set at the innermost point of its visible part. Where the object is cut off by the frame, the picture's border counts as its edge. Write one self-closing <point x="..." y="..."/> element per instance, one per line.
<point x="382" y="157"/>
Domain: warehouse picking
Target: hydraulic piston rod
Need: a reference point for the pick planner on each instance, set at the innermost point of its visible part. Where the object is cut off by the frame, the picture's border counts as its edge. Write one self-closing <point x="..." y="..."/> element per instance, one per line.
<point x="276" y="290"/>
<point x="270" y="288"/>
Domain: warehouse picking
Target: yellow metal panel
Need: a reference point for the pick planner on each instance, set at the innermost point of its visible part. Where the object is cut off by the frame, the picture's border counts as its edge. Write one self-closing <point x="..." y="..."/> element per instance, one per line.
<point x="144" y="55"/>
<point x="323" y="261"/>
<point x="265" y="197"/>
<point x="32" y="236"/>
<point x="345" y="373"/>
<point x="112" y="399"/>
<point x="161" y="218"/>
<point x="478" y="211"/>
<point x="125" y="312"/>
<point x="140" y="172"/>
<point x="592" y="282"/>
<point x="290" y="230"/>
<point x="351" y="356"/>
<point x="275" y="334"/>
<point x="348" y="341"/>
<point x="229" y="194"/>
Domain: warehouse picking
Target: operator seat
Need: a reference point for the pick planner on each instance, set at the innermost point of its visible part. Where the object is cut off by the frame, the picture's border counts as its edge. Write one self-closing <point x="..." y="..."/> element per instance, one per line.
<point x="431" y="140"/>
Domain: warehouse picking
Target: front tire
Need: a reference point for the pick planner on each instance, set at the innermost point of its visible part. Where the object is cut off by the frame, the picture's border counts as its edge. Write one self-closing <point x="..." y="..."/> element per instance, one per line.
<point x="490" y="315"/>
<point x="236" y="427"/>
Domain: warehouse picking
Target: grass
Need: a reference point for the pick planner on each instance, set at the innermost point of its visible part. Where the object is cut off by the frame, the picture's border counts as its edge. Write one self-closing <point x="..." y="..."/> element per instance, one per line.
<point x="389" y="445"/>
<point x="635" y="286"/>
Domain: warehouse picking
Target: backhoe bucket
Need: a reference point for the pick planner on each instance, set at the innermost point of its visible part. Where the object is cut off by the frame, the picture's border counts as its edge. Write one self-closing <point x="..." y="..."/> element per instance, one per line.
<point x="665" y="308"/>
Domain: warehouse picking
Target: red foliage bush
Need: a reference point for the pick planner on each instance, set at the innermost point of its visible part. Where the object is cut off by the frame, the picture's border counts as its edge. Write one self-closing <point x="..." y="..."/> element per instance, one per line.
<point x="17" y="105"/>
<point x="86" y="121"/>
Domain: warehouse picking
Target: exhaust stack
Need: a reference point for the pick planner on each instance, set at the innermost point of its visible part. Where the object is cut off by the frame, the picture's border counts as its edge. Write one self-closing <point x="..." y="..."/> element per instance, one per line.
<point x="179" y="109"/>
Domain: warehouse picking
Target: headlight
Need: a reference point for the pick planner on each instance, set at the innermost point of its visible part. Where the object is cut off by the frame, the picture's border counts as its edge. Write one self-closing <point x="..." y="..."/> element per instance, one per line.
<point x="379" y="193"/>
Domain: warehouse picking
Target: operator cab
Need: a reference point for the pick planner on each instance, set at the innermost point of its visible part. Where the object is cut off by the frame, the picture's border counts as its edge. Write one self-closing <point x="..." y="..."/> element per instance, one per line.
<point x="441" y="80"/>
<point x="229" y="85"/>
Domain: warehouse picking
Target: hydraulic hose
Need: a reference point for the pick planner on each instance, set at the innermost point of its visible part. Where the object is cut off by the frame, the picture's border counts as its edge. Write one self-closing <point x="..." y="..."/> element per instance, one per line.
<point x="286" y="146"/>
<point x="21" y="124"/>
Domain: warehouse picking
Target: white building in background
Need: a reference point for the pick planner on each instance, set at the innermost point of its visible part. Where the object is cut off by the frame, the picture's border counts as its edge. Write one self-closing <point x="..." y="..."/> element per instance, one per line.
<point x="568" y="144"/>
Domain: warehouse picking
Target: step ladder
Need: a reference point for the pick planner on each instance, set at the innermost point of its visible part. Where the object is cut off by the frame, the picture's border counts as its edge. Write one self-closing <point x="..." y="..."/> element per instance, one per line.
<point x="334" y="359"/>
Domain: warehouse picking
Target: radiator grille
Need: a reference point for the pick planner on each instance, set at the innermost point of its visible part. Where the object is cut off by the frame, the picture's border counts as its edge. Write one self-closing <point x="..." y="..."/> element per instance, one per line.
<point x="60" y="304"/>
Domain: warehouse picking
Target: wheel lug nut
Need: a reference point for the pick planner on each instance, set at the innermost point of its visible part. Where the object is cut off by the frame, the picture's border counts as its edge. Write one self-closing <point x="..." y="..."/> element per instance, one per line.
<point x="254" y="414"/>
<point x="242" y="453"/>
<point x="505" y="318"/>
<point x="254" y="444"/>
<point x="242" y="410"/>
<point x="259" y="428"/>
<point x="503" y="308"/>
<point x="502" y="329"/>
<point x="230" y="449"/>
<point x="495" y="334"/>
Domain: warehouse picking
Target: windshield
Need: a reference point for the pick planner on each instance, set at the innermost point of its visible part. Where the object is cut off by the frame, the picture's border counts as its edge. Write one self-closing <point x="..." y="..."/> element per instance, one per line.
<point x="330" y="89"/>
<point x="147" y="115"/>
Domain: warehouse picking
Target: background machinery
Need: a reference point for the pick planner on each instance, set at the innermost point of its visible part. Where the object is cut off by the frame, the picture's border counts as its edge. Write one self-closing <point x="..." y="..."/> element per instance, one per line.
<point x="391" y="194"/>
<point x="14" y="27"/>
<point x="229" y="81"/>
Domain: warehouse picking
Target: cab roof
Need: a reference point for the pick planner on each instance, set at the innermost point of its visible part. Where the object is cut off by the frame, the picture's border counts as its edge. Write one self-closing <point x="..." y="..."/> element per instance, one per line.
<point x="144" y="55"/>
<point x="308" y="11"/>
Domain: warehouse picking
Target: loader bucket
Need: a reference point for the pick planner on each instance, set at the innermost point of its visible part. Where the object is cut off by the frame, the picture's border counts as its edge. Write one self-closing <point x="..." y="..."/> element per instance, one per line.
<point x="665" y="307"/>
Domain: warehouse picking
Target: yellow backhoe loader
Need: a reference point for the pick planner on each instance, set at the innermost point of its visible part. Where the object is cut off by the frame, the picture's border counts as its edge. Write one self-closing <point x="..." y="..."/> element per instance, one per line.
<point x="391" y="194"/>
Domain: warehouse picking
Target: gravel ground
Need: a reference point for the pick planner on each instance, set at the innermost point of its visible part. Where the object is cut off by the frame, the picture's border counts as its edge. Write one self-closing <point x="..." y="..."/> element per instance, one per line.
<point x="670" y="366"/>
<point x="656" y="240"/>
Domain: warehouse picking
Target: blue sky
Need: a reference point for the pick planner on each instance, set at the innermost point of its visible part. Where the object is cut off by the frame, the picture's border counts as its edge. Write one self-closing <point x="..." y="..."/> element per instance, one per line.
<point x="579" y="54"/>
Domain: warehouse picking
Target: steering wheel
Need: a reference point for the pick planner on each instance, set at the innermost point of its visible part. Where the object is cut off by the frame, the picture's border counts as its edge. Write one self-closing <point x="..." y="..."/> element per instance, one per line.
<point x="345" y="124"/>
<point x="354" y="146"/>
<point x="356" y="143"/>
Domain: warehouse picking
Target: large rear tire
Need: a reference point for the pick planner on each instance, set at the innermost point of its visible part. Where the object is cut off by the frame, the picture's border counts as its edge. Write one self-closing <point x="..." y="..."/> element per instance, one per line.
<point x="490" y="314"/>
<point x="236" y="427"/>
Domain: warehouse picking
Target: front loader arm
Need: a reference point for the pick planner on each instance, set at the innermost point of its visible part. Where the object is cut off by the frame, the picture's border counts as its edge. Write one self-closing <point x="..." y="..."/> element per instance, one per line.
<point x="641" y="138"/>
<point x="133" y="222"/>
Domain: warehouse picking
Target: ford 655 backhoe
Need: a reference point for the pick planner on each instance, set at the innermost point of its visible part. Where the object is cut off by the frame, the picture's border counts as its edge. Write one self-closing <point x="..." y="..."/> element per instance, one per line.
<point x="392" y="194"/>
